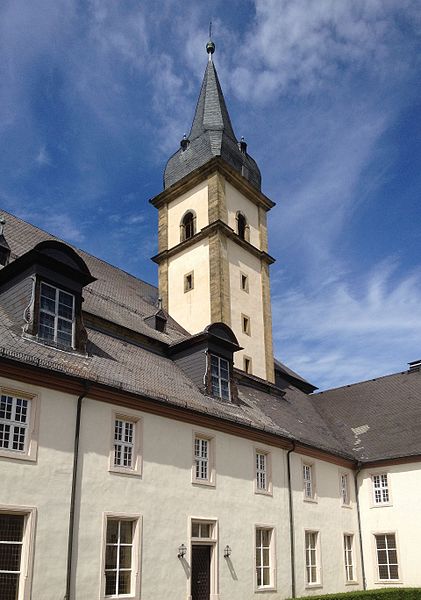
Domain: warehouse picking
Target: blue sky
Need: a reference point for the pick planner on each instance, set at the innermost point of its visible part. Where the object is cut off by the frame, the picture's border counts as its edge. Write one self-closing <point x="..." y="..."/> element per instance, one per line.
<point x="95" y="96"/>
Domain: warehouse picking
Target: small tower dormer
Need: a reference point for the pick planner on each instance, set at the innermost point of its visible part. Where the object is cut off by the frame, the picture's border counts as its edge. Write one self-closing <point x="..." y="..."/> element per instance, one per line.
<point x="212" y="234"/>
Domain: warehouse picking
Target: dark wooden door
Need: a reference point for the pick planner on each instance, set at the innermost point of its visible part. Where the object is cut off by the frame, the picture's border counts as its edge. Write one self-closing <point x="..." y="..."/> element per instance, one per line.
<point x="200" y="572"/>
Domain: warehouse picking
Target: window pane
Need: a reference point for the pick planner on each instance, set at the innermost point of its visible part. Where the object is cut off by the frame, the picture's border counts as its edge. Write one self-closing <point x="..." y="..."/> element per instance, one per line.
<point x="6" y="407"/>
<point x="195" y="530"/>
<point x="112" y="531"/>
<point x="11" y="528"/>
<point x="110" y="583"/>
<point x="9" y="586"/>
<point x="394" y="572"/>
<point x="126" y="532"/>
<point x="266" y="576"/>
<point x="383" y="572"/>
<point x="390" y="538"/>
<point x="111" y="557"/>
<point x="125" y="557"/>
<point x="124" y="582"/>
<point x="10" y="557"/>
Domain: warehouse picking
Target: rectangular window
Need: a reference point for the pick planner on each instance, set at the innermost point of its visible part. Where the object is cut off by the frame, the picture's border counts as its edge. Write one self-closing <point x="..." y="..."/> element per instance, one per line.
<point x="203" y="469"/>
<point x="188" y="282"/>
<point x="14" y="423"/>
<point x="380" y="489"/>
<point x="312" y="559"/>
<point x="11" y="543"/>
<point x="16" y="547"/>
<point x="56" y="315"/>
<point x="344" y="489"/>
<point x="220" y="377"/>
<point x="263" y="483"/>
<point x="119" y="557"/>
<point x="245" y="324"/>
<point x="349" y="558"/>
<point x="387" y="557"/>
<point x="201" y="456"/>
<point x="264" y="558"/>
<point x="247" y="365"/>
<point x="244" y="282"/>
<point x="125" y="456"/>
<point x="308" y="482"/>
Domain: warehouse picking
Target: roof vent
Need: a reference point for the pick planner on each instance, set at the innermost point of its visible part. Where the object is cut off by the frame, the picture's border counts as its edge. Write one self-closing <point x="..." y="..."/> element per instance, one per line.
<point x="4" y="246"/>
<point x="415" y="365"/>
<point x="157" y="321"/>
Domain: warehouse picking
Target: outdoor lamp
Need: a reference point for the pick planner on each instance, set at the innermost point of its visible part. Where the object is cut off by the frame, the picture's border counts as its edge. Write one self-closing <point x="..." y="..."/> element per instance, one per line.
<point x="182" y="551"/>
<point x="227" y="551"/>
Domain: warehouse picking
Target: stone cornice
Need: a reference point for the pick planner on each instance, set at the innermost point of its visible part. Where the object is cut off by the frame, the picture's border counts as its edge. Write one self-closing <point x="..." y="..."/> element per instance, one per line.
<point x="204" y="233"/>
<point x="202" y="173"/>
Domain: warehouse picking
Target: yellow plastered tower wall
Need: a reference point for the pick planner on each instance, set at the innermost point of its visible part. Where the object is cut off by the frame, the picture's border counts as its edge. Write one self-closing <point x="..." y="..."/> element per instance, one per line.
<point x="213" y="260"/>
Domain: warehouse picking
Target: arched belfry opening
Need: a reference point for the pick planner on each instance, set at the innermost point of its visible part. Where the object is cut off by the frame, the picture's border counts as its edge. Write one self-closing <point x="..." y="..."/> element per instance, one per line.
<point x="242" y="227"/>
<point x="188" y="226"/>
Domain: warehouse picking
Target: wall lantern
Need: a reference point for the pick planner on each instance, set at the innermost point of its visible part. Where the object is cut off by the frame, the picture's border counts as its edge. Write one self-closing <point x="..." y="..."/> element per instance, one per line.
<point x="227" y="551"/>
<point x="182" y="551"/>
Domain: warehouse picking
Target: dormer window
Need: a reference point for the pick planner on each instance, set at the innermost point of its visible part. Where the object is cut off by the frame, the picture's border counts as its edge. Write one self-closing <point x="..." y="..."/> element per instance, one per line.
<point x="56" y="315"/>
<point x="220" y="377"/>
<point x="188" y="226"/>
<point x="242" y="227"/>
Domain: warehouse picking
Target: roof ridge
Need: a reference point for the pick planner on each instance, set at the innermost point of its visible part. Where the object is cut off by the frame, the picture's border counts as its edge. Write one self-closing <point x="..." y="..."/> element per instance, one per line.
<point x="372" y="380"/>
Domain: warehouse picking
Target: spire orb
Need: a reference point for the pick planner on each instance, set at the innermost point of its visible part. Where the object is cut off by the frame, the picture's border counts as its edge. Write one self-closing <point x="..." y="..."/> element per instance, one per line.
<point x="210" y="47"/>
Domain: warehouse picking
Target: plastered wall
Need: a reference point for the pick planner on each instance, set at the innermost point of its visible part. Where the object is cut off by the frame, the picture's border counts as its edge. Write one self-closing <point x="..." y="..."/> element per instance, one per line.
<point x="191" y="309"/>
<point x="196" y="200"/>
<point x="328" y="516"/>
<point x="237" y="202"/>
<point x="401" y="516"/>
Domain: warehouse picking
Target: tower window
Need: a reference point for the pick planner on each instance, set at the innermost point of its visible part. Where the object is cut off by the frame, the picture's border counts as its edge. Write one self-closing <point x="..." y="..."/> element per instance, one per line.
<point x="244" y="282"/>
<point x="188" y="282"/>
<point x="247" y="364"/>
<point x="245" y="322"/>
<point x="188" y="226"/>
<point x="242" y="227"/>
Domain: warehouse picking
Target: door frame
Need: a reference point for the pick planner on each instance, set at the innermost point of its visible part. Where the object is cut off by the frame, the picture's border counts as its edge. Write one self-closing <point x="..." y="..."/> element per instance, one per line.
<point x="212" y="542"/>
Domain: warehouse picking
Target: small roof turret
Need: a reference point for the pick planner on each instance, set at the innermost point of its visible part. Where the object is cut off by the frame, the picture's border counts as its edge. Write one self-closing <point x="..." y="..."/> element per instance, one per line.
<point x="211" y="135"/>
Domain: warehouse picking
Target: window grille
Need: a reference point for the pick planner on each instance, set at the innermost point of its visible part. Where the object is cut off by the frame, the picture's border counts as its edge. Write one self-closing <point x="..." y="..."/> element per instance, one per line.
<point x="119" y="557"/>
<point x="380" y="489"/>
<point x="311" y="557"/>
<point x="349" y="559"/>
<point x="123" y="443"/>
<point x="56" y="315"/>
<point x="14" y="421"/>
<point x="201" y="457"/>
<point x="263" y="558"/>
<point x="308" y="481"/>
<point x="220" y="377"/>
<point x="11" y="542"/>
<point x="344" y="488"/>
<point x="261" y="471"/>
<point x="387" y="556"/>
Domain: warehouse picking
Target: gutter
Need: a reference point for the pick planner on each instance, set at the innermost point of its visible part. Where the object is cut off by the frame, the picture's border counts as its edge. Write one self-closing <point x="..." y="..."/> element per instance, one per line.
<point x="359" y="467"/>
<point x="291" y="522"/>
<point x="73" y="491"/>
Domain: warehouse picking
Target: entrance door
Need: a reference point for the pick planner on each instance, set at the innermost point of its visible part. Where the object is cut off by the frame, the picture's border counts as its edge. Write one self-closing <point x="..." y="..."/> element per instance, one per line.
<point x="200" y="572"/>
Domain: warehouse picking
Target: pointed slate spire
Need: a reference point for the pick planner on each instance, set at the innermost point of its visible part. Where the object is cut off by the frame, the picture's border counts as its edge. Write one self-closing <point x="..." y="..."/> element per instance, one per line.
<point x="211" y="135"/>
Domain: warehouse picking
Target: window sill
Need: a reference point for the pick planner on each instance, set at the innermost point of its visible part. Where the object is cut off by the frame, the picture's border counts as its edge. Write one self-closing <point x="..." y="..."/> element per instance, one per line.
<point x="313" y="586"/>
<point x="346" y="506"/>
<point x="311" y="500"/>
<point x="351" y="582"/>
<point x="123" y="471"/>
<point x="382" y="505"/>
<point x="268" y="492"/>
<point x="204" y="482"/>
<point x="388" y="581"/>
<point x="16" y="455"/>
<point x="265" y="589"/>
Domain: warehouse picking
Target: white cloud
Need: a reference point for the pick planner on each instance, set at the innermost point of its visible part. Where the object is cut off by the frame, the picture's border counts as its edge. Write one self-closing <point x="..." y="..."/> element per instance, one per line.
<point x="343" y="333"/>
<point x="43" y="158"/>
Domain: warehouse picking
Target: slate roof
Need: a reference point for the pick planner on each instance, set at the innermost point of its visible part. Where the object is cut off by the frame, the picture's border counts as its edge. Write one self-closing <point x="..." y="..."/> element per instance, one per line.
<point x="211" y="135"/>
<point x="369" y="421"/>
<point x="376" y="419"/>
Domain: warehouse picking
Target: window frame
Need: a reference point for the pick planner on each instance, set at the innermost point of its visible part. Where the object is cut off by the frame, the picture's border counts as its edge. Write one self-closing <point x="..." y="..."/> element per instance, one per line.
<point x="319" y="582"/>
<point x="28" y="546"/>
<point x="136" y="553"/>
<point x="244" y="278"/>
<point x="272" y="586"/>
<point x="211" y="472"/>
<point x="55" y="342"/>
<point x="245" y="324"/>
<point x="31" y="437"/>
<point x="377" y="579"/>
<point x="137" y="466"/>
<point x="268" y="489"/>
<point x="183" y="236"/>
<point x="387" y="502"/>
<point x="248" y="370"/>
<point x="188" y="288"/>
<point x="345" y="498"/>
<point x="349" y="552"/>
<point x="311" y="467"/>
<point x="211" y="355"/>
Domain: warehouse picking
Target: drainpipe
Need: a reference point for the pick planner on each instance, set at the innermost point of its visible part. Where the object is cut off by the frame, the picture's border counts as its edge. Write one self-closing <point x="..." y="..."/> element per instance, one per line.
<point x="291" y="522"/>
<point x="359" y="467"/>
<point x="73" y="492"/>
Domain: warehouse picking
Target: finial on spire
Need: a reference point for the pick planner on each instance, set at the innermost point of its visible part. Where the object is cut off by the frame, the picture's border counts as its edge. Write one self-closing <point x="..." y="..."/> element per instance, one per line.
<point x="210" y="46"/>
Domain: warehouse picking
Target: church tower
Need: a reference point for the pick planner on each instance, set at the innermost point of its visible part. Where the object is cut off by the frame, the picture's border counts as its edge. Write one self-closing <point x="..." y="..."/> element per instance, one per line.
<point x="212" y="235"/>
